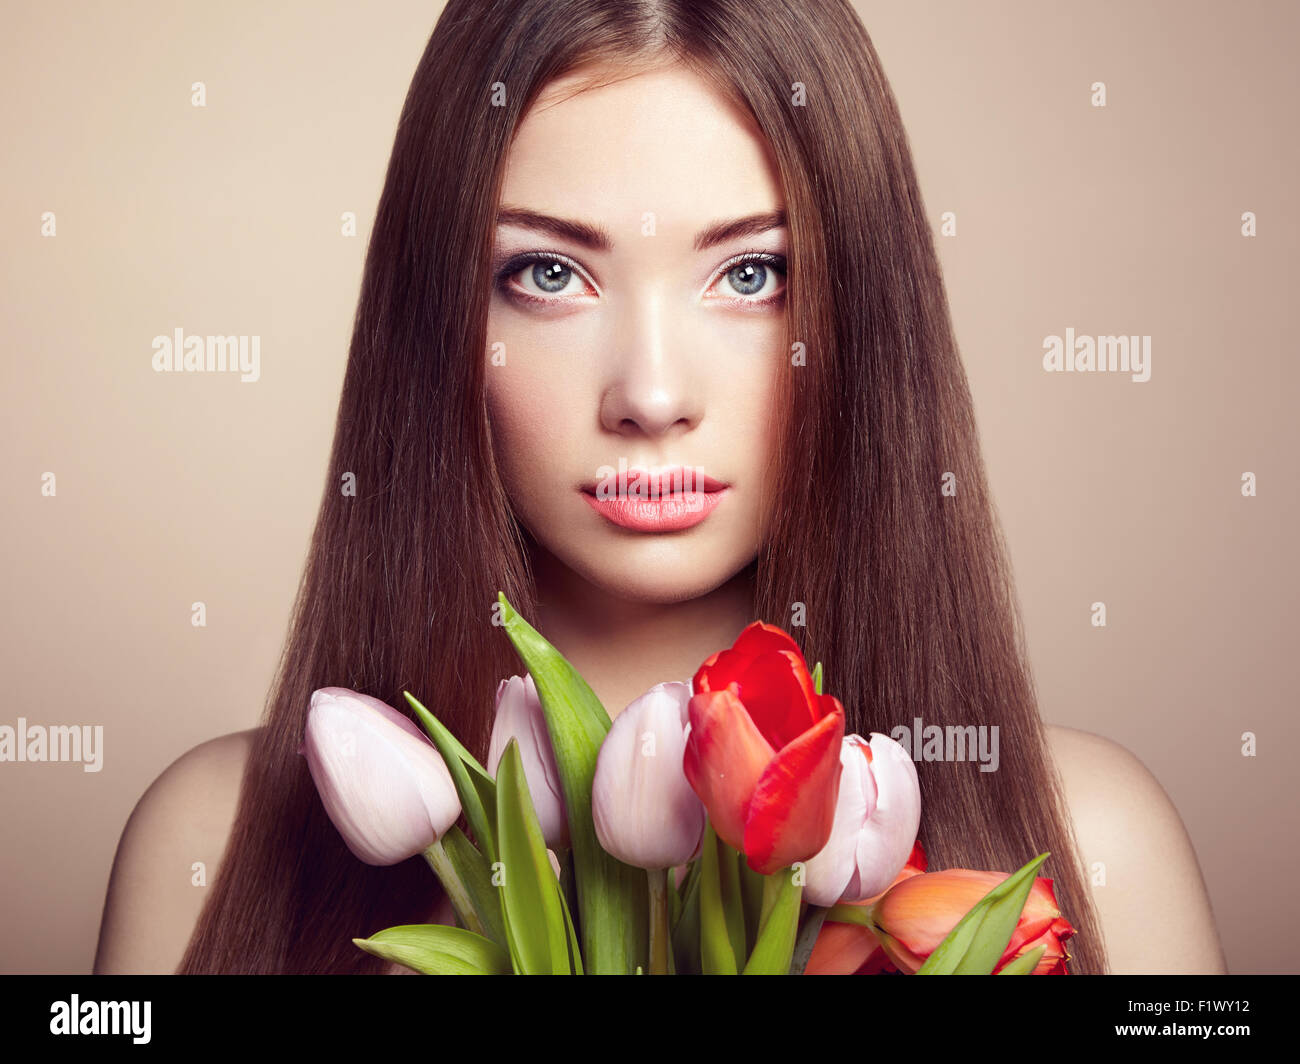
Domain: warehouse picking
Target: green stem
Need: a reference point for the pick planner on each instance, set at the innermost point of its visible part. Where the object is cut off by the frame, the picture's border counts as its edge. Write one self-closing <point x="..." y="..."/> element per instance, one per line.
<point x="456" y="892"/>
<point x="771" y="891"/>
<point x="658" y="880"/>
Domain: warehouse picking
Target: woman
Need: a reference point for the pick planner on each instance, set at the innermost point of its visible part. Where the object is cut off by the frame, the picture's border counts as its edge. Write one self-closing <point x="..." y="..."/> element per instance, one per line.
<point x="667" y="234"/>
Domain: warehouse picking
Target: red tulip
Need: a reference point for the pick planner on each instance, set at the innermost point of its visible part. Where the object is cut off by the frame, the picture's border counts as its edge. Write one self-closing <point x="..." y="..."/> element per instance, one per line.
<point x="763" y="749"/>
<point x="914" y="916"/>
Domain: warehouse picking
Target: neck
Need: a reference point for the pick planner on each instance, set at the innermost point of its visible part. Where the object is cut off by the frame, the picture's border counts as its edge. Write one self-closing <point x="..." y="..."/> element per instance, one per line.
<point x="623" y="647"/>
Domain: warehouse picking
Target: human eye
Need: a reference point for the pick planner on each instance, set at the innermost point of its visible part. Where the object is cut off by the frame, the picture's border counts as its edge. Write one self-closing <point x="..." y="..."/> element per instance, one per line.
<point x="750" y="279"/>
<point x="543" y="277"/>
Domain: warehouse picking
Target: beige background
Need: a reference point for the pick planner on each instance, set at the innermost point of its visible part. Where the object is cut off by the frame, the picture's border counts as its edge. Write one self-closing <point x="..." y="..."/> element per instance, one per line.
<point x="226" y="219"/>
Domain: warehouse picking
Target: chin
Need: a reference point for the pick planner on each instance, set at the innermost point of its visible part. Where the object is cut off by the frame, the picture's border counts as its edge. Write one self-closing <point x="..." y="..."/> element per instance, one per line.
<point x="661" y="575"/>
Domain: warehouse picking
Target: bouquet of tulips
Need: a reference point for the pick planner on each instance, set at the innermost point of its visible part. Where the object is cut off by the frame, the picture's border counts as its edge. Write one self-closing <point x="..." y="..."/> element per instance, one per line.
<point x="723" y="826"/>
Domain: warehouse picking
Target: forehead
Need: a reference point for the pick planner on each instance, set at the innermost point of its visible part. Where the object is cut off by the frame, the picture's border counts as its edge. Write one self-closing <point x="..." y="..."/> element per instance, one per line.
<point x="663" y="140"/>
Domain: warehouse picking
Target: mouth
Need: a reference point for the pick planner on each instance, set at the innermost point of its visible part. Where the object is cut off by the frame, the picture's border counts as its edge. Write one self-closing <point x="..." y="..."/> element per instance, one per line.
<point x="663" y="499"/>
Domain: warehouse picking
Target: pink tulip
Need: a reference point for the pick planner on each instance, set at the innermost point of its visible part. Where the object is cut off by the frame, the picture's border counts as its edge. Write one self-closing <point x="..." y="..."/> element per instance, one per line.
<point x="382" y="782"/>
<point x="519" y="716"/>
<point x="877" y="815"/>
<point x="644" y="809"/>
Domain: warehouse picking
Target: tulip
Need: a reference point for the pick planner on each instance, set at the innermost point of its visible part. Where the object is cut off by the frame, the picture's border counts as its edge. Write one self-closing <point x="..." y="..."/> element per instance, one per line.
<point x="852" y="949"/>
<point x="847" y="949"/>
<point x="876" y="820"/>
<point x="383" y="784"/>
<point x="644" y="810"/>
<point x="914" y="916"/>
<point x="519" y="716"/>
<point x="763" y="750"/>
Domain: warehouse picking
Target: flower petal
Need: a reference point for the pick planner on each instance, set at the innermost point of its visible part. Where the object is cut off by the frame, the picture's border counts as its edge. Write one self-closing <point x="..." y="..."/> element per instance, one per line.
<point x="519" y="715"/>
<point x="886" y="839"/>
<point x="722" y="668"/>
<point x="384" y="786"/>
<point x="725" y="758"/>
<point x="778" y="692"/>
<point x="793" y="808"/>
<point x="834" y="867"/>
<point x="643" y="808"/>
<point x="1052" y="962"/>
<point x="841" y="949"/>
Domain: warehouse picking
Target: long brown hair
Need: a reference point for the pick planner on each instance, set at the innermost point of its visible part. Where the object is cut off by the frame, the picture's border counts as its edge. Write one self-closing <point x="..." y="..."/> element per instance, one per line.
<point x="907" y="589"/>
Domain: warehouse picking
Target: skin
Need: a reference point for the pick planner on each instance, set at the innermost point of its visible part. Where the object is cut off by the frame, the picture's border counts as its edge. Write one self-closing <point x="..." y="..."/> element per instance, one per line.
<point x="647" y="357"/>
<point x="653" y="355"/>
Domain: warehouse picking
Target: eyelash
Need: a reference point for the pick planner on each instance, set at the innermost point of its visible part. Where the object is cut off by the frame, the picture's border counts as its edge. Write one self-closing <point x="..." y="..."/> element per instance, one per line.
<point x="531" y="258"/>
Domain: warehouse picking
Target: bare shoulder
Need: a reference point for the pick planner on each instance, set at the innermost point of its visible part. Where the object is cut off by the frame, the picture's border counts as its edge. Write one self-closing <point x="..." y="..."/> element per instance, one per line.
<point x="1140" y="862"/>
<point x="183" y="818"/>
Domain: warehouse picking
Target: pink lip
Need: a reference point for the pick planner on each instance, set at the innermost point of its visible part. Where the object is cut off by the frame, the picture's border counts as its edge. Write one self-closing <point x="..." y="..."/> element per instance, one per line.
<point x="667" y="499"/>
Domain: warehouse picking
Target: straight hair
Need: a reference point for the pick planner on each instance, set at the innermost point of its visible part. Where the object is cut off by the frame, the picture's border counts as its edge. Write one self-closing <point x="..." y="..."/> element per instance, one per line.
<point x="904" y="588"/>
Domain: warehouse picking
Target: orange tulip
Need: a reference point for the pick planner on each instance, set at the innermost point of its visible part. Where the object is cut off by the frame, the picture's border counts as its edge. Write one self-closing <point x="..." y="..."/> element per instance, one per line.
<point x="914" y="916"/>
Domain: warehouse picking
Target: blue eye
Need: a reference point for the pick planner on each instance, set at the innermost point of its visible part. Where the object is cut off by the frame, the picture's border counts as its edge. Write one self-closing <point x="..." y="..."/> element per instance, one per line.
<point x="534" y="277"/>
<point x="754" y="274"/>
<point x="551" y="278"/>
<point x="748" y="278"/>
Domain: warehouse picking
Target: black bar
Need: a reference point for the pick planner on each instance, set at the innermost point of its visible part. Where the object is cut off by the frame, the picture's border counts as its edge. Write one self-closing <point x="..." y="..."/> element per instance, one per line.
<point x="341" y="1013"/>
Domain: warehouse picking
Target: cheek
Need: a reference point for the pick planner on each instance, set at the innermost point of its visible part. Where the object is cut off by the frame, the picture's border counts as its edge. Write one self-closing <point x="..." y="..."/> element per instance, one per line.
<point x="532" y="414"/>
<point x="750" y="389"/>
<point x="753" y="405"/>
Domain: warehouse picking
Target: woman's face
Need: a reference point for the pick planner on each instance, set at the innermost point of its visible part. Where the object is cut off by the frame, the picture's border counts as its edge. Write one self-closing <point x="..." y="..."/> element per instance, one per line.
<point x="637" y="323"/>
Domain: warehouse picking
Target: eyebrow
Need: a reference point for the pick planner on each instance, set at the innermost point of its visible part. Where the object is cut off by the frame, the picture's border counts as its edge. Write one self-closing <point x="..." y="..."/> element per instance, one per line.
<point x="596" y="239"/>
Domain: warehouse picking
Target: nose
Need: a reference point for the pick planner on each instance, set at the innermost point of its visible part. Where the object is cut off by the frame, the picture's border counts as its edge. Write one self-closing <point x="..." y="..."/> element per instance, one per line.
<point x="651" y="389"/>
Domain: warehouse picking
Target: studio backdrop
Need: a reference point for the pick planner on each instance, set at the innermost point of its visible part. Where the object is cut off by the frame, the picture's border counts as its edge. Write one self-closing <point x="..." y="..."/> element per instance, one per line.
<point x="1090" y="170"/>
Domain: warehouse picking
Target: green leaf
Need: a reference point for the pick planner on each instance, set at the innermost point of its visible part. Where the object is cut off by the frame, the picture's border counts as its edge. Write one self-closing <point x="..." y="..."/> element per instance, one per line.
<point x="612" y="896"/>
<point x="434" y="949"/>
<point x="530" y="898"/>
<point x="776" y="934"/>
<point x="733" y="900"/>
<point x="977" y="943"/>
<point x="476" y="876"/>
<point x="1025" y="963"/>
<point x="817" y="677"/>
<point x="717" y="956"/>
<point x="474" y="786"/>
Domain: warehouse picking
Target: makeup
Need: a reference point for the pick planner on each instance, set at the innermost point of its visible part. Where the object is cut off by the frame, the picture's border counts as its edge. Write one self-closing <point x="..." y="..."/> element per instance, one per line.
<point x="665" y="499"/>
